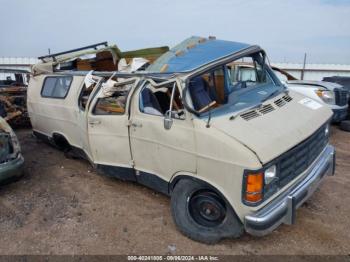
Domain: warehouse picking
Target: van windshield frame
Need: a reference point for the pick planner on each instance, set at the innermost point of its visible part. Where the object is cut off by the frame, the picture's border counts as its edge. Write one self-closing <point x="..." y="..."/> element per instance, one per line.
<point x="255" y="91"/>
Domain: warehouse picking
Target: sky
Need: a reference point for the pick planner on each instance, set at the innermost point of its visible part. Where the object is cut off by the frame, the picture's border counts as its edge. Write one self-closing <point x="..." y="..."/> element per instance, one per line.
<point x="286" y="29"/>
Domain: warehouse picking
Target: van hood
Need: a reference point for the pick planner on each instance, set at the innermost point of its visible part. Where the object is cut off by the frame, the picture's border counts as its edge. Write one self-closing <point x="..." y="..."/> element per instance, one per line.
<point x="271" y="134"/>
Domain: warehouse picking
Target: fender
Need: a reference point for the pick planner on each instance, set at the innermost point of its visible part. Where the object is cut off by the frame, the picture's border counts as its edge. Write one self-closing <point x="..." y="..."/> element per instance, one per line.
<point x="186" y="175"/>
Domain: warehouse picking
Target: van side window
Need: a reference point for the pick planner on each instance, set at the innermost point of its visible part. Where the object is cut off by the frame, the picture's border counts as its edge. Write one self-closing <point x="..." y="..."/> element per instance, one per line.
<point x="113" y="101"/>
<point x="156" y="101"/>
<point x="56" y="86"/>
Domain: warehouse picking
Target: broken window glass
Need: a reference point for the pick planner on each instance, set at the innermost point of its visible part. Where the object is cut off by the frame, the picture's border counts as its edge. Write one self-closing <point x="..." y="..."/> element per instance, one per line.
<point x="113" y="98"/>
<point x="156" y="100"/>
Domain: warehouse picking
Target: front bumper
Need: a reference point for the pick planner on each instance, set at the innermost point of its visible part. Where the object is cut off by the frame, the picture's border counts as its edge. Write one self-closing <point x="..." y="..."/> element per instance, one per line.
<point x="283" y="208"/>
<point x="11" y="169"/>
<point x="339" y="115"/>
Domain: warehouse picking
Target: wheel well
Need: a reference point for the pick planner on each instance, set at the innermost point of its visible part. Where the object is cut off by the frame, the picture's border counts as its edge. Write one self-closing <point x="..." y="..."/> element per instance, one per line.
<point x="184" y="177"/>
<point x="61" y="142"/>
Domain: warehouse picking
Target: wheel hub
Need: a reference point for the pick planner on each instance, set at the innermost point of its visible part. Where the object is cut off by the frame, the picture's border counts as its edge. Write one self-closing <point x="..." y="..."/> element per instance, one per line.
<point x="207" y="208"/>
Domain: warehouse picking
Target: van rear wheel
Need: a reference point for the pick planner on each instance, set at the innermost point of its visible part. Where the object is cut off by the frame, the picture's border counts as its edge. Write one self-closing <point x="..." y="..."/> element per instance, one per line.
<point x="202" y="214"/>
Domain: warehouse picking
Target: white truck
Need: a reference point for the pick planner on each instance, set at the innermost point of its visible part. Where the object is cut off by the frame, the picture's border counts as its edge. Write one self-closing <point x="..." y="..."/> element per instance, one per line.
<point x="232" y="156"/>
<point x="333" y="95"/>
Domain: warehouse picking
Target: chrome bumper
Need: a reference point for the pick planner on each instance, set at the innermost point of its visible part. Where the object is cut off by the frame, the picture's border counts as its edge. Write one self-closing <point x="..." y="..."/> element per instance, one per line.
<point x="283" y="208"/>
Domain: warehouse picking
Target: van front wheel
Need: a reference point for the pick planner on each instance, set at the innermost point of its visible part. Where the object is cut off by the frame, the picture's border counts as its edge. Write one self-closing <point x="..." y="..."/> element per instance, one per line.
<point x="202" y="214"/>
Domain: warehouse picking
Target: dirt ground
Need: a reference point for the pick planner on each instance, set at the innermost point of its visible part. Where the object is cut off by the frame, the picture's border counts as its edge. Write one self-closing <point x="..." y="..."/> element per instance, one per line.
<point x="61" y="206"/>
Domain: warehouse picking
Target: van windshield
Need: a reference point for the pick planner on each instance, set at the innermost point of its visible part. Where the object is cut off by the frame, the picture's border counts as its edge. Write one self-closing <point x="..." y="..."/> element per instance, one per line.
<point x="234" y="86"/>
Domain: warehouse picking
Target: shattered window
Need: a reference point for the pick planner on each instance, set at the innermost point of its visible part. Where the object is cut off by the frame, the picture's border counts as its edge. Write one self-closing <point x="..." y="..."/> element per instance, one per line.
<point x="113" y="99"/>
<point x="56" y="87"/>
<point x="156" y="100"/>
<point x="84" y="95"/>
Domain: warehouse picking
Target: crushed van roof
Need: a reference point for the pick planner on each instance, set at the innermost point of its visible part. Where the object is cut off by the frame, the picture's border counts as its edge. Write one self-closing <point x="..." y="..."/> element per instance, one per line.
<point x="193" y="53"/>
<point x="49" y="63"/>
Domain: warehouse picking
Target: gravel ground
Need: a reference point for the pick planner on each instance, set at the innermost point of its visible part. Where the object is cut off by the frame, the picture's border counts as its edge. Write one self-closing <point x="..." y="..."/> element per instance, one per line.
<point x="61" y="206"/>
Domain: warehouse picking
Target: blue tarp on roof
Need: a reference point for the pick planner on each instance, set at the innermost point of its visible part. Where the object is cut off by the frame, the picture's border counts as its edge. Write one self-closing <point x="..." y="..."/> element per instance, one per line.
<point x="200" y="53"/>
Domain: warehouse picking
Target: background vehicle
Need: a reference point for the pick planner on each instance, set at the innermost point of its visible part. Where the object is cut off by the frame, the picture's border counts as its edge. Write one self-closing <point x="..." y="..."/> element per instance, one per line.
<point x="333" y="95"/>
<point x="11" y="160"/>
<point x="341" y="80"/>
<point x="345" y="82"/>
<point x="220" y="147"/>
<point x="13" y="96"/>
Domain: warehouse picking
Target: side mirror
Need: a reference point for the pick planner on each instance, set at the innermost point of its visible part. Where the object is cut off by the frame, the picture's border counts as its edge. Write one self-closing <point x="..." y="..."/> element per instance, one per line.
<point x="168" y="120"/>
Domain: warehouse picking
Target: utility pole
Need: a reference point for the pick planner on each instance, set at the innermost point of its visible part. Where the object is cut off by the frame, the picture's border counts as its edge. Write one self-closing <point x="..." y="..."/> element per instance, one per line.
<point x="303" y="70"/>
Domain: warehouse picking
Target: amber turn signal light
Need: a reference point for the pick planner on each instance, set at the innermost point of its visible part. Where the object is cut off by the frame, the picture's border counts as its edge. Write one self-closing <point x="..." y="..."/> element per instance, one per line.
<point x="254" y="187"/>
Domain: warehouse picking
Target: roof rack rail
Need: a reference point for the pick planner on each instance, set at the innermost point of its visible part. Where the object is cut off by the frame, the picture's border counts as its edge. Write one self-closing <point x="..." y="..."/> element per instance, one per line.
<point x="14" y="70"/>
<point x="73" y="50"/>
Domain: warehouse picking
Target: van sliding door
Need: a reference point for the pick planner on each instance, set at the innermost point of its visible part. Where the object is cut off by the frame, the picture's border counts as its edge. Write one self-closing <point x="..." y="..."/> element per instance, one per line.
<point x="108" y="130"/>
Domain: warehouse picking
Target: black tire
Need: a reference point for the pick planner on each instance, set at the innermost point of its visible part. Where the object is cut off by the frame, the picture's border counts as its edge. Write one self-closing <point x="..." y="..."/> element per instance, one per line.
<point x="192" y="223"/>
<point x="345" y="125"/>
<point x="61" y="143"/>
<point x="69" y="153"/>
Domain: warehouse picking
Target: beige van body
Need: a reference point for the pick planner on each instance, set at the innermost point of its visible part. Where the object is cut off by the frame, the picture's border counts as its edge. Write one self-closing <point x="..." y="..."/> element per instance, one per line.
<point x="218" y="150"/>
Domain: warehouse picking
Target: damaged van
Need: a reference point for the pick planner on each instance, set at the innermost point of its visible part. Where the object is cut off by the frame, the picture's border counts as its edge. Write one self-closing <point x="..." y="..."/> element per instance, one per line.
<point x="234" y="155"/>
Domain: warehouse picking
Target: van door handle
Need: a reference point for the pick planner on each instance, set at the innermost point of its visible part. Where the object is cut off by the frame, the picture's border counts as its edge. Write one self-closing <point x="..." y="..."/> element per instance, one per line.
<point x="133" y="124"/>
<point x="94" y="122"/>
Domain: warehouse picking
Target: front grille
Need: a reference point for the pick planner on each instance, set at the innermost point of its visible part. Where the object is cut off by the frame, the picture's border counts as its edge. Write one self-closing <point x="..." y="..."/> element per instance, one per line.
<point x="298" y="159"/>
<point x="341" y="97"/>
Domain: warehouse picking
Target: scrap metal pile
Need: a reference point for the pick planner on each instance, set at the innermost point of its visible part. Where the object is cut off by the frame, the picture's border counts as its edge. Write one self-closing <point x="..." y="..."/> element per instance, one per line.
<point x="13" y="96"/>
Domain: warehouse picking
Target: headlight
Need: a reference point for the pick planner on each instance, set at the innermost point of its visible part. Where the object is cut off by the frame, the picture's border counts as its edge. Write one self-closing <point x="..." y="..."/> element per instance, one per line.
<point x="259" y="184"/>
<point x="270" y="174"/>
<point x="327" y="96"/>
<point x="254" y="186"/>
